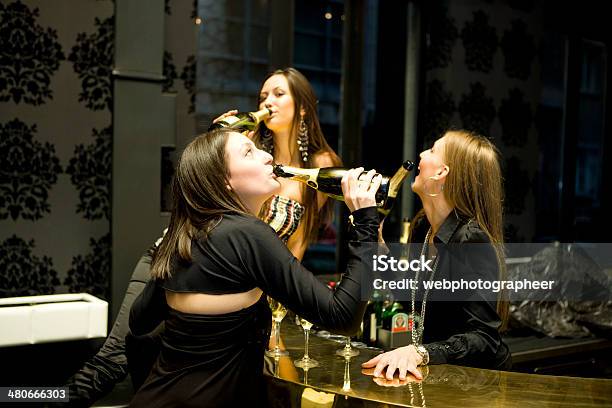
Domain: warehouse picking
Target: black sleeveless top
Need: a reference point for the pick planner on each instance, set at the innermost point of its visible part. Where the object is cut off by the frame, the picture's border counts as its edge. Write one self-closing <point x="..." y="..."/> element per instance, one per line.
<point x="217" y="360"/>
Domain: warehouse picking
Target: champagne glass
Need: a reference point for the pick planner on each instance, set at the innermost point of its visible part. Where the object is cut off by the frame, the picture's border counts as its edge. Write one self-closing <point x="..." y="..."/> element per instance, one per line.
<point x="278" y="313"/>
<point x="305" y="375"/>
<point x="346" y="384"/>
<point x="306" y="362"/>
<point x="347" y="350"/>
<point x="277" y="367"/>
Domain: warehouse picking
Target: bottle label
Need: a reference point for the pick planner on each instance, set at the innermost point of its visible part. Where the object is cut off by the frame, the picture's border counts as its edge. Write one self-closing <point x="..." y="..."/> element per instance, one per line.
<point x="399" y="323"/>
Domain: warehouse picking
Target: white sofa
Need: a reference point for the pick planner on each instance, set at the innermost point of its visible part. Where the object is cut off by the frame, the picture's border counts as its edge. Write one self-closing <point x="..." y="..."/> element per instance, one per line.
<point x="49" y="318"/>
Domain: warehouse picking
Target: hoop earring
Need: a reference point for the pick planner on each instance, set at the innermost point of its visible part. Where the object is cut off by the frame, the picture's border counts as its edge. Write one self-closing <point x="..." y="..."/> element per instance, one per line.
<point x="302" y="140"/>
<point x="434" y="194"/>
<point x="267" y="142"/>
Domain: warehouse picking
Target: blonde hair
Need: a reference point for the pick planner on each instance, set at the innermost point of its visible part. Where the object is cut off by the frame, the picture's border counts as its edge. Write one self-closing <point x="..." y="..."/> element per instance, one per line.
<point x="474" y="188"/>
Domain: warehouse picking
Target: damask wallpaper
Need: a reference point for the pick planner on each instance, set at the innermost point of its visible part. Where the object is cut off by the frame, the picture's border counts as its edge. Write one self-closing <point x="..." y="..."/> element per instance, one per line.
<point x="482" y="74"/>
<point x="56" y="60"/>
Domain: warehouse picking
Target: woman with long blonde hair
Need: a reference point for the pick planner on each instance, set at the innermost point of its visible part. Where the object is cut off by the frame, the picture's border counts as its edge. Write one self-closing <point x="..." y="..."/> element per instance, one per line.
<point x="460" y="186"/>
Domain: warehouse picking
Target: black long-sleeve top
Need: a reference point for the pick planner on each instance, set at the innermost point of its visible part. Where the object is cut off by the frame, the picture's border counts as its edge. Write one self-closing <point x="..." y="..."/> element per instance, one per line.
<point x="242" y="253"/>
<point x="218" y="359"/>
<point x="463" y="331"/>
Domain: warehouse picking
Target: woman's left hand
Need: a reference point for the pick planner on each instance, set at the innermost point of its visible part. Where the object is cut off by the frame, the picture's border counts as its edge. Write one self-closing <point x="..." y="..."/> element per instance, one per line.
<point x="405" y="359"/>
<point x="225" y="115"/>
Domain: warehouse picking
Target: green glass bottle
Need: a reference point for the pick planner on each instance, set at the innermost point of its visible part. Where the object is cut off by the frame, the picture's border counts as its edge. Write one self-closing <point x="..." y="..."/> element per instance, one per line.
<point x="242" y="121"/>
<point x="389" y="312"/>
<point x="328" y="180"/>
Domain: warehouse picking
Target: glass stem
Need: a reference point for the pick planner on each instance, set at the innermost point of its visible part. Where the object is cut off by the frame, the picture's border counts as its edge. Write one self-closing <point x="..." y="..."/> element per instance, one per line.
<point x="348" y="343"/>
<point x="277" y="335"/>
<point x="306" y="335"/>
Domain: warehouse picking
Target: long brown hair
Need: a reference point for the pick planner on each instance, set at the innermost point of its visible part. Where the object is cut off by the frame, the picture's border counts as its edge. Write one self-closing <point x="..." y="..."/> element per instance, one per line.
<point x="200" y="198"/>
<point x="304" y="98"/>
<point x="474" y="188"/>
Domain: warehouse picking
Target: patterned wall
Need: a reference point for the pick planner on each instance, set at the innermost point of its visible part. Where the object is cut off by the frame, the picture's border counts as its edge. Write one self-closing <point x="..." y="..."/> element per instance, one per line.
<point x="56" y="59"/>
<point x="482" y="74"/>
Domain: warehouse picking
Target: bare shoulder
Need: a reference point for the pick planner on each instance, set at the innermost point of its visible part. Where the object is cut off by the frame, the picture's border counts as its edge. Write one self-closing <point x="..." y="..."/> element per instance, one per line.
<point x="324" y="159"/>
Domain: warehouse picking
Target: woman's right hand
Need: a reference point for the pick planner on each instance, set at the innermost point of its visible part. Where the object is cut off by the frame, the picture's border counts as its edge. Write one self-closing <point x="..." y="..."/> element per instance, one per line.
<point x="360" y="192"/>
<point x="225" y="115"/>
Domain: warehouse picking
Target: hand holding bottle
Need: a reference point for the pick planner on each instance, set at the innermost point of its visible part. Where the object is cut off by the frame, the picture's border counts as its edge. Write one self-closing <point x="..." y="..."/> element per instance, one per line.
<point x="228" y="114"/>
<point x="360" y="192"/>
<point x="225" y="115"/>
<point x="328" y="180"/>
<point x="244" y="122"/>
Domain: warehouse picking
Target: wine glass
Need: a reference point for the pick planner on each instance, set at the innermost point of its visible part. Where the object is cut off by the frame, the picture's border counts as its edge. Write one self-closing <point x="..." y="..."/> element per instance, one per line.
<point x="306" y="362"/>
<point x="278" y="313"/>
<point x="347" y="350"/>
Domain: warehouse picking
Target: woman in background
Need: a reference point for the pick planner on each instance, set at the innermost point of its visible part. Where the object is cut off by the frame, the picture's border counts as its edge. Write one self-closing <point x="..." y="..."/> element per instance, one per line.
<point x="293" y="136"/>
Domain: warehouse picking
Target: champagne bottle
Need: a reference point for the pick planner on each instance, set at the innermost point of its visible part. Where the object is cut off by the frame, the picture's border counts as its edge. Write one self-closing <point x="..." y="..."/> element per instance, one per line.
<point x="390" y="321"/>
<point x="327" y="180"/>
<point x="242" y="121"/>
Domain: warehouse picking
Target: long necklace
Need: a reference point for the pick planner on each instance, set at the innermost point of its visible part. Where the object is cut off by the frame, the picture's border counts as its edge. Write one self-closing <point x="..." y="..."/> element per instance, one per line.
<point x="420" y="388"/>
<point x="417" y="335"/>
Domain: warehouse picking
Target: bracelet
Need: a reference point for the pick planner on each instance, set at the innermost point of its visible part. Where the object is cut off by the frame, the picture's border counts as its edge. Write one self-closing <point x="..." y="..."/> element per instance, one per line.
<point x="423" y="353"/>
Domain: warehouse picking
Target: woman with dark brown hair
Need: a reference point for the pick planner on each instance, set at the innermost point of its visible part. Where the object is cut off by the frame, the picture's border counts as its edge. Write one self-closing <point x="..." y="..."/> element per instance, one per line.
<point x="295" y="213"/>
<point x="293" y="136"/>
<point x="214" y="267"/>
<point x="460" y="186"/>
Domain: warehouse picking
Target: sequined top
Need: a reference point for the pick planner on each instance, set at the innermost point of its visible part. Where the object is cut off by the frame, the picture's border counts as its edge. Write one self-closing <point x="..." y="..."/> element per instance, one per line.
<point x="283" y="215"/>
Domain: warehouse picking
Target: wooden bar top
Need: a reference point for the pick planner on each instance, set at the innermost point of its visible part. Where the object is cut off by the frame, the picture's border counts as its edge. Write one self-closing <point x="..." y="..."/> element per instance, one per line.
<point x="344" y="383"/>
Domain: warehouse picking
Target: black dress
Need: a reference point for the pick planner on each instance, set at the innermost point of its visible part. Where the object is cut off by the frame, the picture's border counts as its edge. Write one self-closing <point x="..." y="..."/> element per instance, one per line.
<point x="217" y="360"/>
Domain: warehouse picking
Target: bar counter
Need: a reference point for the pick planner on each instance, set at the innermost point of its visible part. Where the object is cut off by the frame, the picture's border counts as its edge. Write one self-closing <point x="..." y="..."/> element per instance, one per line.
<point x="341" y="383"/>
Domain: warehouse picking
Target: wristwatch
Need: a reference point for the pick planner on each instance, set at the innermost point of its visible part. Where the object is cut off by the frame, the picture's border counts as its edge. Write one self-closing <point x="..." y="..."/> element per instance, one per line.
<point x="423" y="353"/>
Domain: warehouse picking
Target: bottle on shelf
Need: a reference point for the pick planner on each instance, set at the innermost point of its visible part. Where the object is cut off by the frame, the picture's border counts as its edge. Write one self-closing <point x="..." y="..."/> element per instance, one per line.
<point x="371" y="318"/>
<point x="390" y="311"/>
<point x="242" y="121"/>
<point x="328" y="180"/>
<point x="396" y="320"/>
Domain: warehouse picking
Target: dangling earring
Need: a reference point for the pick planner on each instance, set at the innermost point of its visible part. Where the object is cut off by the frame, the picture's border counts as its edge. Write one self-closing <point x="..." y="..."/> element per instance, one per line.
<point x="302" y="140"/>
<point x="267" y="143"/>
<point x="434" y="194"/>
